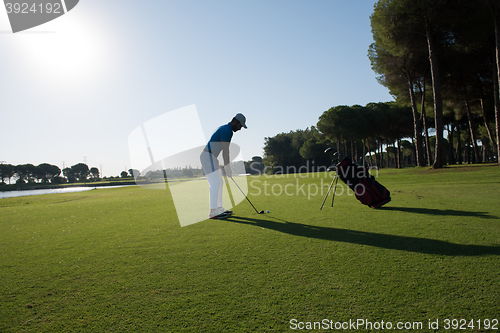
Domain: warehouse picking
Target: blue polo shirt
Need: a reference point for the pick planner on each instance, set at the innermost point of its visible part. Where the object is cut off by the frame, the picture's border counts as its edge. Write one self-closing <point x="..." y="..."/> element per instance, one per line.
<point x="223" y="134"/>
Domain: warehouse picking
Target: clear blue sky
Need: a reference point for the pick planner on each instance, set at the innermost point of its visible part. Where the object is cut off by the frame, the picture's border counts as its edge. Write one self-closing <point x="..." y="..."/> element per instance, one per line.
<point x="76" y="87"/>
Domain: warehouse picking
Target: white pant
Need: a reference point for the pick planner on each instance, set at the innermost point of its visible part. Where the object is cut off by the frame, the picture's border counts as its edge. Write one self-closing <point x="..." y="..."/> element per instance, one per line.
<point x="213" y="172"/>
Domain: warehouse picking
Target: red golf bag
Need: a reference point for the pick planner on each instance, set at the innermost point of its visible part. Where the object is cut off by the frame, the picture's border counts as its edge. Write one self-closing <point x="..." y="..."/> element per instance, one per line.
<point x="366" y="189"/>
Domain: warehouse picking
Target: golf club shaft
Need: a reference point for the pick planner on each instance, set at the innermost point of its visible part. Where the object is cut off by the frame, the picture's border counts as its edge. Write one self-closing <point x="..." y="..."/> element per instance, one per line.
<point x="229" y="191"/>
<point x="245" y="195"/>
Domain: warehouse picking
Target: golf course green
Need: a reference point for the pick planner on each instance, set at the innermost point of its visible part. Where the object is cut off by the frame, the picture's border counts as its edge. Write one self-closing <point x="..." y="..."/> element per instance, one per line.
<point x="117" y="260"/>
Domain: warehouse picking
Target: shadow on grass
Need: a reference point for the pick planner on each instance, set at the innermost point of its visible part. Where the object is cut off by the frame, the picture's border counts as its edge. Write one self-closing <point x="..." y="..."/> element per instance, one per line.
<point x="440" y="212"/>
<point x="403" y="243"/>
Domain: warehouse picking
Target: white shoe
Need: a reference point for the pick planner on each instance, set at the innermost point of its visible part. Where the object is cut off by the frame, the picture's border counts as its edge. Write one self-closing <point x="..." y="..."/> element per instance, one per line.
<point x="222" y="210"/>
<point x="217" y="215"/>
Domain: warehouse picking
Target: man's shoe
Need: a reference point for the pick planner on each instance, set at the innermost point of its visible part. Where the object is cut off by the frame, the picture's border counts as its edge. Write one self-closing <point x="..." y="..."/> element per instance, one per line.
<point x="218" y="216"/>
<point x="225" y="211"/>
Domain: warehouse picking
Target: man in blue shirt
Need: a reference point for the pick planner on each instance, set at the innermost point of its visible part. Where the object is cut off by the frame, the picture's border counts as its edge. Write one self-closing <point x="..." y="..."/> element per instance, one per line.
<point x="219" y="142"/>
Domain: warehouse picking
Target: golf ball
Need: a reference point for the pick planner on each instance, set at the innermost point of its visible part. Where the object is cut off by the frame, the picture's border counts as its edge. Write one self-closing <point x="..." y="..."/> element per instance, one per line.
<point x="267" y="211"/>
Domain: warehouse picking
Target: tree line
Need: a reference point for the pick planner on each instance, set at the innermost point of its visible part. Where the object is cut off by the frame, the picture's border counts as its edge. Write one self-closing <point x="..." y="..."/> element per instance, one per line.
<point x="47" y="173"/>
<point x="355" y="131"/>
<point x="440" y="61"/>
<point x="444" y="54"/>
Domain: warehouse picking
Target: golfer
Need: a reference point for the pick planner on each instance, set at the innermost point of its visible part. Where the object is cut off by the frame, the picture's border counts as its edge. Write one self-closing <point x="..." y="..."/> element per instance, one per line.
<point x="219" y="142"/>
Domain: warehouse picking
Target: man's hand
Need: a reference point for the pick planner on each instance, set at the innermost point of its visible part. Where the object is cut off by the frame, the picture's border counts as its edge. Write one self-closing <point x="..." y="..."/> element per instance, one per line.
<point x="228" y="171"/>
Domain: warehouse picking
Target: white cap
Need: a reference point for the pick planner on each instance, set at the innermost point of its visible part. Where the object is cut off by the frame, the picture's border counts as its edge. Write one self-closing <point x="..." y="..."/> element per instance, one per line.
<point x="241" y="118"/>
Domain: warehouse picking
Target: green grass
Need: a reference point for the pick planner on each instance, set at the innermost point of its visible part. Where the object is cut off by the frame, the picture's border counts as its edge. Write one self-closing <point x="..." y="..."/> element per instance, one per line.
<point x="117" y="260"/>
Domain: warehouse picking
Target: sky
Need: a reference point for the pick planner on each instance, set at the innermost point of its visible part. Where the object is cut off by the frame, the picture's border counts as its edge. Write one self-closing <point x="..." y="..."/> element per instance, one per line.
<point x="74" y="89"/>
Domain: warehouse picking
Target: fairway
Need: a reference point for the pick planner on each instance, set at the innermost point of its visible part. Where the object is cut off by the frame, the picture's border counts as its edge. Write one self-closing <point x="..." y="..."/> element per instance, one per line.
<point x="117" y="259"/>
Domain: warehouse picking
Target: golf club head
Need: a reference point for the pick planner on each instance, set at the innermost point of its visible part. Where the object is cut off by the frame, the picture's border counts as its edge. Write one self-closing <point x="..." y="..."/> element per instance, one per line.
<point x="335" y="154"/>
<point x="261" y="212"/>
<point x="330" y="149"/>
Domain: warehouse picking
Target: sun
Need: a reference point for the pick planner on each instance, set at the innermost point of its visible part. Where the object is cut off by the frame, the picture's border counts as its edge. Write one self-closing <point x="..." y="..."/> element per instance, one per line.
<point x="66" y="51"/>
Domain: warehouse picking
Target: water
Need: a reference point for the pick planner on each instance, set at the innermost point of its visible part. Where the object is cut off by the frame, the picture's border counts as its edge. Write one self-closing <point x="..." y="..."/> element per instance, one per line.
<point x="21" y="193"/>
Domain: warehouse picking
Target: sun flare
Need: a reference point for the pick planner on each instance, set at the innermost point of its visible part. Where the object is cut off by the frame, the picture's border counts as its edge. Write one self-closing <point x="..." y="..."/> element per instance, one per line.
<point x="67" y="52"/>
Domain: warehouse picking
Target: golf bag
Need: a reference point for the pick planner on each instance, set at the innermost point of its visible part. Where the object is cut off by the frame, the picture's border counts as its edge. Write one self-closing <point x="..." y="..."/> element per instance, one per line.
<point x="366" y="189"/>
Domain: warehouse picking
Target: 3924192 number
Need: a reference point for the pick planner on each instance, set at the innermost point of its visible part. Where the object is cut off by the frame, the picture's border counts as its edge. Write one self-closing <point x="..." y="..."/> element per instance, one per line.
<point x="25" y="8"/>
<point x="463" y="324"/>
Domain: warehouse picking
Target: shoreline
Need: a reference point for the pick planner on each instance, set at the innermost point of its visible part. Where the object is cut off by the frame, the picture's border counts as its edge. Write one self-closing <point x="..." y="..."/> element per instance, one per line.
<point x="9" y="188"/>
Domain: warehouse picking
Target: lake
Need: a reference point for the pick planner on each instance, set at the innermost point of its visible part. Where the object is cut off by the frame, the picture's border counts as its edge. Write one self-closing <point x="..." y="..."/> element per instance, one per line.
<point x="22" y="193"/>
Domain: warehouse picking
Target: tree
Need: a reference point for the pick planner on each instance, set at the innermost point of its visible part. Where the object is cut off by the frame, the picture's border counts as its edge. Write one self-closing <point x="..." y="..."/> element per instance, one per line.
<point x="378" y="116"/>
<point x="404" y="68"/>
<point x="429" y="18"/>
<point x="283" y="150"/>
<point x="494" y="6"/>
<point x="7" y="171"/>
<point x="364" y="127"/>
<point x="124" y="174"/>
<point x="337" y="124"/>
<point x="94" y="172"/>
<point x="399" y="126"/>
<point x="134" y="172"/>
<point x="157" y="174"/>
<point x="400" y="61"/>
<point x="187" y="173"/>
<point x="47" y="172"/>
<point x="408" y="151"/>
<point x="21" y="172"/>
<point x="255" y="166"/>
<point x="25" y="173"/>
<point x="470" y="66"/>
<point x="58" y="180"/>
<point x="78" y="172"/>
<point x="69" y="174"/>
<point x="312" y="149"/>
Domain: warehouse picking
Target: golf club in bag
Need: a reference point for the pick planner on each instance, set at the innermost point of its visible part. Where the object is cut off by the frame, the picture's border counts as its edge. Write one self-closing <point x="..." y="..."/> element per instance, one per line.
<point x="366" y="189"/>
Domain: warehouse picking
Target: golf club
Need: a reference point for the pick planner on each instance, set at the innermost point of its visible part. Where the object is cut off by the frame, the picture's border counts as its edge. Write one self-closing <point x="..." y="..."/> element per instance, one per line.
<point x="261" y="212"/>
<point x="229" y="191"/>
<point x="329" y="149"/>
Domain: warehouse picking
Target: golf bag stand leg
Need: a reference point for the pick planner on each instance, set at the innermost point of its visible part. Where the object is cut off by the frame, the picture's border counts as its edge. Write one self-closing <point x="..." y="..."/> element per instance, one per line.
<point x="335" y="187"/>
<point x="328" y="192"/>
